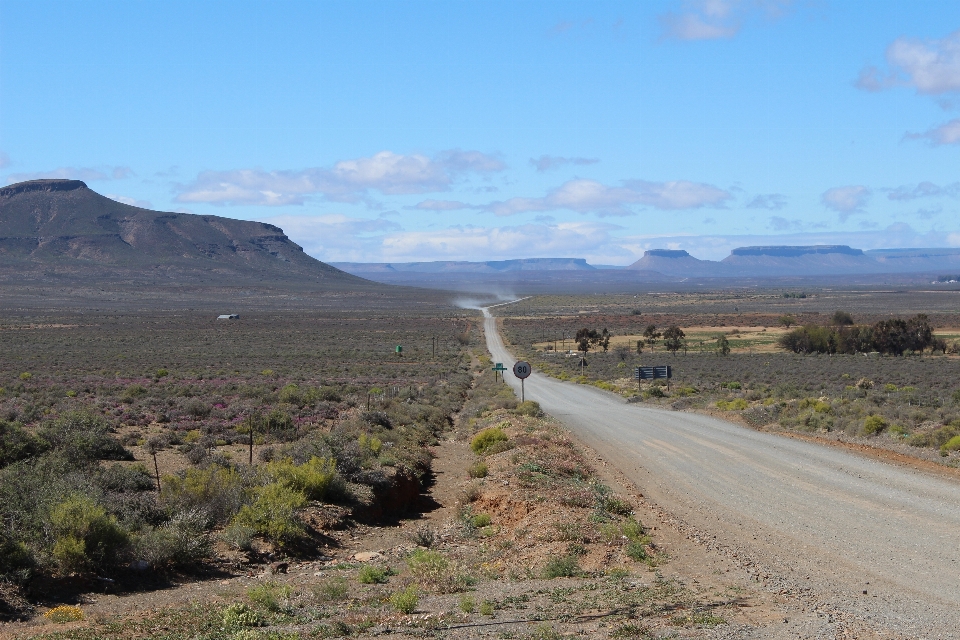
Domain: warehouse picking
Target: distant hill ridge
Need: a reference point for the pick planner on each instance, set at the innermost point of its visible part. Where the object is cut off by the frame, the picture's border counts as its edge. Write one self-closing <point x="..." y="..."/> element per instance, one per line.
<point x="61" y="227"/>
<point x="462" y="266"/>
<point x="785" y="260"/>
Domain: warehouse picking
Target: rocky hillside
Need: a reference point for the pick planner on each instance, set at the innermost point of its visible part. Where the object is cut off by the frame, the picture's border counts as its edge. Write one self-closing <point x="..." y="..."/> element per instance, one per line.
<point x="63" y="228"/>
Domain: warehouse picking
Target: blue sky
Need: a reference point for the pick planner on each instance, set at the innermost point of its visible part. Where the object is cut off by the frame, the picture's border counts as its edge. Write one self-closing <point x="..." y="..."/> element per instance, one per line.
<point x="402" y="131"/>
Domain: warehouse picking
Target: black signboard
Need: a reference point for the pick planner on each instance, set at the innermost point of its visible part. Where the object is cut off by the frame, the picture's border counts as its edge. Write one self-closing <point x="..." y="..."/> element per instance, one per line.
<point x="652" y="373"/>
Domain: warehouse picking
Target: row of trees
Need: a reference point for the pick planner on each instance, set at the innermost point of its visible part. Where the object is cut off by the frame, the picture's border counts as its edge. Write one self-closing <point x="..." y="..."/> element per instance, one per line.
<point x="893" y="337"/>
<point x="673" y="339"/>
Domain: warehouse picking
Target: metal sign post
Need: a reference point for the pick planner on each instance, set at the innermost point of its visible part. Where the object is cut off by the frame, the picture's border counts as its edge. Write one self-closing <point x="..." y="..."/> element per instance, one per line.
<point x="522" y="370"/>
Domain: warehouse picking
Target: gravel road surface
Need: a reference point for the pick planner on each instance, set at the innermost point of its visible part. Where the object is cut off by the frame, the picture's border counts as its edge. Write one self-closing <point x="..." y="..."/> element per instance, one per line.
<point x="869" y="539"/>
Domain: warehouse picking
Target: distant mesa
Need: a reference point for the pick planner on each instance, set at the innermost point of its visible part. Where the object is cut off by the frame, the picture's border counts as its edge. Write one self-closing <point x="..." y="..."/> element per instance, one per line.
<point x="462" y="266"/>
<point x="63" y="229"/>
<point x="810" y="260"/>
<point x="666" y="253"/>
<point x="796" y="251"/>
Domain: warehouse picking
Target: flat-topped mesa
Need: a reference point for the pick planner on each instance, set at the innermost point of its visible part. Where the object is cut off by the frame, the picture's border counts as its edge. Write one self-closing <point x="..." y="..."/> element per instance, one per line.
<point x="41" y="186"/>
<point x="66" y="228"/>
<point x="795" y="251"/>
<point x="666" y="253"/>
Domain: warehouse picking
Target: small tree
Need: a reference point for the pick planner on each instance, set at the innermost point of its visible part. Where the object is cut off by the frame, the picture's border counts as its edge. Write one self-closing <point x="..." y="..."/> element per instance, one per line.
<point x="603" y="341"/>
<point x="585" y="338"/>
<point x="651" y="334"/>
<point x="639" y="347"/>
<point x="723" y="346"/>
<point x="841" y="318"/>
<point x="673" y="339"/>
<point x="787" y="321"/>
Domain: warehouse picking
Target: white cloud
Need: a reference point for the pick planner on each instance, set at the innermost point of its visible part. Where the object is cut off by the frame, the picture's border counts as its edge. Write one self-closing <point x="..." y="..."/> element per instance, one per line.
<point x="846" y="200"/>
<point x="924" y="190"/>
<point x="4" y="160"/>
<point x="717" y="19"/>
<point x="778" y="223"/>
<point x="339" y="238"/>
<point x="75" y="173"/>
<point x="580" y="239"/>
<point x="133" y="202"/>
<point x="932" y="67"/>
<point x="442" y="205"/>
<point x="347" y="181"/>
<point x="546" y="163"/>
<point x="769" y="201"/>
<point x="589" y="196"/>
<point x="336" y="237"/>
<point x="947" y="133"/>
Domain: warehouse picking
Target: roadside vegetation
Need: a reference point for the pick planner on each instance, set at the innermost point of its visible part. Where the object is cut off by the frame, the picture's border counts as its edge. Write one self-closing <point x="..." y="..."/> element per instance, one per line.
<point x="133" y="449"/>
<point x="891" y="382"/>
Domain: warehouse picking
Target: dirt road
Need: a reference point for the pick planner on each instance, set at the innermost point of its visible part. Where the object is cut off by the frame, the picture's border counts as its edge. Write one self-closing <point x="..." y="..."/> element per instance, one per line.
<point x="874" y="540"/>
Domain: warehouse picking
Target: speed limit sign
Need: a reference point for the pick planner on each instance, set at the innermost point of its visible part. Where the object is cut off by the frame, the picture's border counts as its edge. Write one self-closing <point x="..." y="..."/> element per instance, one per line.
<point x="521" y="369"/>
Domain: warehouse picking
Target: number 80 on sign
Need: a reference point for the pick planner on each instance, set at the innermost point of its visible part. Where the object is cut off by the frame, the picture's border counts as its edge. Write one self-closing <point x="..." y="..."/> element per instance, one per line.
<point x="522" y="369"/>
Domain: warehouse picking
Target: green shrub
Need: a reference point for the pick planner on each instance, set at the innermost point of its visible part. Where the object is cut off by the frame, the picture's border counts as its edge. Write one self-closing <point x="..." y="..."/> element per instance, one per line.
<point x="484" y="440"/>
<point x="16" y="443"/>
<point x="486" y="608"/>
<point x="373" y="575"/>
<point x="628" y="529"/>
<point x="85" y="535"/>
<point x="15" y="557"/>
<point x="270" y="595"/>
<point x="738" y="404"/>
<point x="290" y="394"/>
<point x="313" y="478"/>
<point x="429" y="567"/>
<point x="478" y="469"/>
<point x="332" y="590"/>
<point x="405" y="600"/>
<point x="238" y="536"/>
<point x="480" y="520"/>
<point x="545" y="632"/>
<point x="162" y="373"/>
<point x="873" y="425"/>
<point x="240" y="615"/>
<point x="133" y="392"/>
<point x="467" y="604"/>
<point x="936" y="438"/>
<point x="369" y="444"/>
<point x="216" y="491"/>
<point x="562" y="567"/>
<point x="273" y="513"/>
<point x="529" y="408"/>
<point x="83" y="438"/>
<point x="629" y="631"/>
<point x="953" y="444"/>
<point x="180" y="542"/>
<point x="636" y="551"/>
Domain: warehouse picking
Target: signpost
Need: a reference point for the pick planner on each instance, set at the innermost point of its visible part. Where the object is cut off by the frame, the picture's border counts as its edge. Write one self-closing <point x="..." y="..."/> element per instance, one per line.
<point x="498" y="370"/>
<point x="652" y="373"/>
<point x="522" y="370"/>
